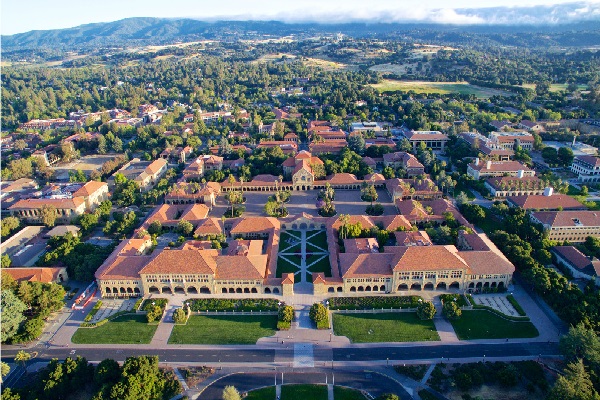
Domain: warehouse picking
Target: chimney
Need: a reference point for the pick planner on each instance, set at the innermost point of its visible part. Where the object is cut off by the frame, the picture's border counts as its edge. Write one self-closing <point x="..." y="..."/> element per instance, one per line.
<point x="520" y="173"/>
<point x="477" y="161"/>
<point x="488" y="165"/>
<point x="548" y="191"/>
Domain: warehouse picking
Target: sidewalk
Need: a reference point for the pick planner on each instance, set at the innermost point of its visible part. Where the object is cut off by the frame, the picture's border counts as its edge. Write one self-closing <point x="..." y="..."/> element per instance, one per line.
<point x="442" y="325"/>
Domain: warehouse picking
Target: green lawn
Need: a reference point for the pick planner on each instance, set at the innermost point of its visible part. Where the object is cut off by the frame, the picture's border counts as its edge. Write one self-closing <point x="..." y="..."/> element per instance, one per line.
<point x="342" y="393"/>
<point x="126" y="329"/>
<point x="384" y="327"/>
<point x="321" y="266"/>
<point x="224" y="329"/>
<point x="319" y="239"/>
<point x="304" y="392"/>
<point x="284" y="266"/>
<point x="437" y="87"/>
<point x="284" y="246"/>
<point x="482" y="324"/>
<point x="267" y="393"/>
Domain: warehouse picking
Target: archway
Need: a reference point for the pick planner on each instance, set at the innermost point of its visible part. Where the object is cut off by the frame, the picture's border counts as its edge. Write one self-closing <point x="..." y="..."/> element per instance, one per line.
<point x="108" y="290"/>
<point x="153" y="289"/>
<point x="478" y="286"/>
<point x="368" y="289"/>
<point x="353" y="289"/>
<point x="231" y="290"/>
<point x="136" y="290"/>
<point x="382" y="288"/>
<point x="455" y="285"/>
<point x="267" y="290"/>
<point x="501" y="285"/>
<point x="246" y="290"/>
<point x="204" y="290"/>
<point x="331" y="290"/>
<point x="179" y="289"/>
<point x="253" y="290"/>
<point x="122" y="290"/>
<point x="224" y="290"/>
<point x="471" y="285"/>
<point x="428" y="286"/>
<point x="238" y="290"/>
<point x="167" y="289"/>
<point x="192" y="290"/>
<point x="303" y="225"/>
<point x="129" y="290"/>
<point x="275" y="290"/>
<point x="486" y="285"/>
<point x="339" y="289"/>
<point x="441" y="286"/>
<point x="415" y="286"/>
<point x="361" y="289"/>
<point x="493" y="284"/>
<point x="403" y="286"/>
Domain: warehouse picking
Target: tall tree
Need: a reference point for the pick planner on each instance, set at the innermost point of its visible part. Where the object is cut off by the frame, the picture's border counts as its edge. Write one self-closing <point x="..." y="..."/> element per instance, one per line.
<point x="12" y="314"/>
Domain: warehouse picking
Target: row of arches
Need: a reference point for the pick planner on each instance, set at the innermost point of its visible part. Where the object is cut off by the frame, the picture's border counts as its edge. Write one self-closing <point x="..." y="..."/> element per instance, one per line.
<point x="429" y="286"/>
<point x="239" y="290"/>
<point x="368" y="288"/>
<point x="333" y="289"/>
<point x="479" y="285"/>
<point x="122" y="291"/>
<point x="179" y="290"/>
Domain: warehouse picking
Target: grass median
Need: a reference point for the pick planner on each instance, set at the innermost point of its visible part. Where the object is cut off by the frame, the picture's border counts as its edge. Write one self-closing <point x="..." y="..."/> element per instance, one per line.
<point x="384" y="327"/>
<point x="125" y="329"/>
<point x="224" y="329"/>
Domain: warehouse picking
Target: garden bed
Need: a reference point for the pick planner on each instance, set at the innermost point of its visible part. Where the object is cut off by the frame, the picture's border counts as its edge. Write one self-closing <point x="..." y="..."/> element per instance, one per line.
<point x="235" y="304"/>
<point x="373" y="302"/>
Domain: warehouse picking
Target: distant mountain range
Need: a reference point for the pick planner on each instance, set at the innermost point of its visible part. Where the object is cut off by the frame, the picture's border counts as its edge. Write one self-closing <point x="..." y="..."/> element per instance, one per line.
<point x="146" y="31"/>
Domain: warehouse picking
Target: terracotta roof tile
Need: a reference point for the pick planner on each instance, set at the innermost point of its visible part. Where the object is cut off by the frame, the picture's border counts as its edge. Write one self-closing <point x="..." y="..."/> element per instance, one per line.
<point x="182" y="262"/>
<point x="541" y="202"/>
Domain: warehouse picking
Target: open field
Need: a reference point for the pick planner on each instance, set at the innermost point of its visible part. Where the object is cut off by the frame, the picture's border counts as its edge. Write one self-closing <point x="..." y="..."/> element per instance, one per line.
<point x="126" y="329"/>
<point x="224" y="329"/>
<point x="301" y="392"/>
<point x="555" y="87"/>
<point x="437" y="87"/>
<point x="482" y="324"/>
<point x="384" y="327"/>
<point x="328" y="65"/>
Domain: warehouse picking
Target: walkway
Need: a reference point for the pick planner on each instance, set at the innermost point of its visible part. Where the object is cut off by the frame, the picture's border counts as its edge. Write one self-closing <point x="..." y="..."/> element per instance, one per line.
<point x="307" y="250"/>
<point x="165" y="327"/>
<point x="442" y="325"/>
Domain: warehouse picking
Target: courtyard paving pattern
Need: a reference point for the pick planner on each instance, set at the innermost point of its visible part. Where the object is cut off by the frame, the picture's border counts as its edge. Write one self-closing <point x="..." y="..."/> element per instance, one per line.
<point x="497" y="302"/>
<point x="310" y="253"/>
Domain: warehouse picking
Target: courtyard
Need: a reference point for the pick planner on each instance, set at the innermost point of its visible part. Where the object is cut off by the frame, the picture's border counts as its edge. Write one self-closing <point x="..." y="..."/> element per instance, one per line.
<point x="303" y="253"/>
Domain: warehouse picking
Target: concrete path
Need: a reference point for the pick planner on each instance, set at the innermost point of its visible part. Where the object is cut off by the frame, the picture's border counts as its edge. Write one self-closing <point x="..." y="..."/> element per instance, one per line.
<point x="166" y="325"/>
<point x="428" y="373"/>
<point x="444" y="328"/>
<point x="329" y="391"/>
<point x="277" y="392"/>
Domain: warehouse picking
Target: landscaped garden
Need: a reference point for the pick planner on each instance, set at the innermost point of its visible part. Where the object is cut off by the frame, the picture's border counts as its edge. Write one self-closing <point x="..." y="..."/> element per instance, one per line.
<point x="305" y="392"/>
<point x="319" y="240"/>
<point x="285" y="267"/>
<point x="384" y="327"/>
<point x="224" y="329"/>
<point x="234" y="304"/>
<point x="483" y="324"/>
<point x="289" y="243"/>
<point x="322" y="265"/>
<point x="124" y="329"/>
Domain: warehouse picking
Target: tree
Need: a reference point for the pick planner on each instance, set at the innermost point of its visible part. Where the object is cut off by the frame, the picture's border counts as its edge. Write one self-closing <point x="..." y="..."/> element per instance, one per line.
<point x="581" y="343"/>
<point x="461" y="198"/>
<point x="20" y="145"/>
<point x="426" y="310"/>
<point x="356" y="143"/>
<point x="4" y="369"/>
<point x="77" y="176"/>
<point x="117" y="145"/>
<point x="451" y="310"/>
<point x="155" y="228"/>
<point x="565" y="155"/>
<point x="9" y="224"/>
<point x="48" y="215"/>
<point x="5" y="261"/>
<point x="286" y="313"/>
<point x="12" y="314"/>
<point x="22" y="357"/>
<point x="574" y="385"/>
<point x="102" y="147"/>
<point x="473" y="212"/>
<point x="318" y="313"/>
<point x="154" y="314"/>
<point x="368" y="192"/>
<point x="388" y="396"/>
<point x="231" y="393"/>
<point x="185" y="227"/>
<point x="107" y="371"/>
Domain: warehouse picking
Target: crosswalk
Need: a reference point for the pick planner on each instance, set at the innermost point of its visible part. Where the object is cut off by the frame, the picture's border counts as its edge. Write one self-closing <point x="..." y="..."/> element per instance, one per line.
<point x="303" y="355"/>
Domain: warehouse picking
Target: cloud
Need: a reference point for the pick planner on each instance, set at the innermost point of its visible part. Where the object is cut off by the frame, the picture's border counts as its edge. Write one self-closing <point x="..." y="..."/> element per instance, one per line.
<point x="502" y="15"/>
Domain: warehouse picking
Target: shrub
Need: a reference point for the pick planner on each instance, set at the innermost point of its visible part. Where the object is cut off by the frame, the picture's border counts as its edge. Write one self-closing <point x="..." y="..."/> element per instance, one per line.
<point x="284" y="325"/>
<point x="451" y="310"/>
<point x="376" y="209"/>
<point x="416" y="372"/>
<point x="93" y="311"/>
<point x="286" y="314"/>
<point x="154" y="314"/>
<point x="373" y="302"/>
<point x="426" y="310"/>
<point x="318" y="313"/>
<point x="179" y="316"/>
<point x="511" y="299"/>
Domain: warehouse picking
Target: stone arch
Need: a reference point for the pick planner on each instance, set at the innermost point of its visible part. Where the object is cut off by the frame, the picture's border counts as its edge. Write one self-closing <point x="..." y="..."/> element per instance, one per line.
<point x="331" y="290"/>
<point x="339" y="289"/>
<point x="267" y="290"/>
<point x="204" y="290"/>
<point x="153" y="289"/>
<point x="478" y="286"/>
<point x="239" y="290"/>
<point x="415" y="286"/>
<point x="501" y="285"/>
<point x="382" y="288"/>
<point x="486" y="285"/>
<point x="253" y="290"/>
<point x="455" y="285"/>
<point x="368" y="289"/>
<point x="471" y="285"/>
<point x="493" y="284"/>
<point x="167" y="289"/>
<point x="122" y="290"/>
<point x="107" y="290"/>
<point x="353" y="289"/>
<point x="224" y="290"/>
<point x="136" y="290"/>
<point x="403" y="286"/>
<point x="276" y="290"/>
<point x="231" y="290"/>
<point x="130" y="290"/>
<point x="115" y="290"/>
<point x="441" y="286"/>
<point x="192" y="290"/>
<point x="246" y="290"/>
<point x="179" y="289"/>
<point x="361" y="289"/>
<point x="428" y="286"/>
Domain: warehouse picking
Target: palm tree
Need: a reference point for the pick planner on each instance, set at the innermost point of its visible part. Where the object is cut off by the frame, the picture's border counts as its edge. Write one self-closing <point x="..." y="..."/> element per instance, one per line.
<point x="22" y="357"/>
<point x="344" y="219"/>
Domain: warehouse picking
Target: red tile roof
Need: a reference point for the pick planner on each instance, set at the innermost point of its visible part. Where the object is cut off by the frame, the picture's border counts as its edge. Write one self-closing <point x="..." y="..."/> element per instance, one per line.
<point x="44" y="275"/>
<point x="568" y="218"/>
<point x="182" y="262"/>
<point x="541" y="202"/>
<point x="34" y="204"/>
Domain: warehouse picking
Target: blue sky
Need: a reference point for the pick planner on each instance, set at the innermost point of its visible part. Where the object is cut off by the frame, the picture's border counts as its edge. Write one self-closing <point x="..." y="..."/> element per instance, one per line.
<point x="25" y="15"/>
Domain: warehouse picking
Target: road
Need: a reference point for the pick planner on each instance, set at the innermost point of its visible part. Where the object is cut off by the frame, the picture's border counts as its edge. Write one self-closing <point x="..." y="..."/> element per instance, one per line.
<point x="284" y="357"/>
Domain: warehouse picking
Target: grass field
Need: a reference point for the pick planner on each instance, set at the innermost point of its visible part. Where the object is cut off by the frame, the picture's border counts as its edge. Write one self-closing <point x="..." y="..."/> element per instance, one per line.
<point x="321" y="266"/>
<point x="555" y="87"/>
<point x="267" y="393"/>
<point x="284" y="266"/>
<point x="384" y="327"/>
<point x="222" y="329"/>
<point x="126" y="329"/>
<point x="482" y="324"/>
<point x="286" y="247"/>
<point x="304" y="392"/>
<point x="319" y="239"/>
<point x="388" y="85"/>
<point x="342" y="393"/>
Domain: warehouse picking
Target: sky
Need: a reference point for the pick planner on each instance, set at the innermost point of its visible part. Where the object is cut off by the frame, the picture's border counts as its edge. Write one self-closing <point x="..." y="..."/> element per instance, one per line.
<point x="25" y="15"/>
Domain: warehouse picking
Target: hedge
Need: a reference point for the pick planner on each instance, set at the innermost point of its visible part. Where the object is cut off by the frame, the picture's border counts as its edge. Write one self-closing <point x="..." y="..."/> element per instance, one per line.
<point x="511" y="299"/>
<point x="284" y="325"/>
<point x="323" y="324"/>
<point x="373" y="302"/>
<point x="103" y="321"/>
<point x="235" y="304"/>
<point x="93" y="311"/>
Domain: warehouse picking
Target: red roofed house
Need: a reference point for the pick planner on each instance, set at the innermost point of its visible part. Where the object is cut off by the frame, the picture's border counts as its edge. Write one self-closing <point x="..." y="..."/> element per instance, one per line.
<point x="30" y="209"/>
<point x="573" y="226"/>
<point x="587" y="168"/>
<point x="433" y="139"/>
<point x="489" y="169"/>
<point x="408" y="162"/>
<point x="581" y="266"/>
<point x="93" y="193"/>
<point x="44" y="275"/>
<point x="153" y="172"/>
<point x="546" y="201"/>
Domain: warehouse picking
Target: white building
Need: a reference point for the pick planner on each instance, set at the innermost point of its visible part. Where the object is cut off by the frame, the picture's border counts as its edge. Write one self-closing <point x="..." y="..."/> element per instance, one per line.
<point x="587" y="168"/>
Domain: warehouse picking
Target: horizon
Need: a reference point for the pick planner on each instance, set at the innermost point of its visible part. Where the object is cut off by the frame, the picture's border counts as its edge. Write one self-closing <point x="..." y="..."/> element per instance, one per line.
<point x="48" y="16"/>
